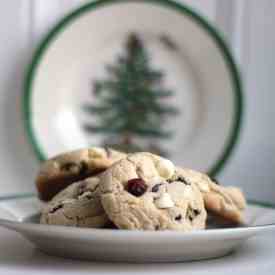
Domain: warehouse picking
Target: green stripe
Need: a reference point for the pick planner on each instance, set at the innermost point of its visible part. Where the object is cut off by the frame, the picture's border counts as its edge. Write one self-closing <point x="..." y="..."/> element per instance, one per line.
<point x="261" y="203"/>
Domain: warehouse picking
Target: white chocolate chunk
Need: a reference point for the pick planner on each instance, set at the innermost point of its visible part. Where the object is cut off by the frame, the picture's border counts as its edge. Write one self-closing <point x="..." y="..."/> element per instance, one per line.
<point x="166" y="168"/>
<point x="176" y="190"/>
<point x="164" y="201"/>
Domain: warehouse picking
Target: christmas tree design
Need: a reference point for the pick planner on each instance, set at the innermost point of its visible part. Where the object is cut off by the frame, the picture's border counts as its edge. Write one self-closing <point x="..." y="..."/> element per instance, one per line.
<point x="130" y="104"/>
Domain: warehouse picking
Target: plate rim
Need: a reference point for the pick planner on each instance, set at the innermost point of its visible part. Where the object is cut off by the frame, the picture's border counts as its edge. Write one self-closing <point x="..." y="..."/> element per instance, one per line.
<point x="184" y="9"/>
<point x="12" y="224"/>
<point x="27" y="196"/>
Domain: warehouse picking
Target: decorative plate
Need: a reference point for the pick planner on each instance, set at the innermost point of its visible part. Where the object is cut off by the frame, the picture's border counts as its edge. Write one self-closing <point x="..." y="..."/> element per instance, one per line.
<point x="147" y="75"/>
<point x="22" y="215"/>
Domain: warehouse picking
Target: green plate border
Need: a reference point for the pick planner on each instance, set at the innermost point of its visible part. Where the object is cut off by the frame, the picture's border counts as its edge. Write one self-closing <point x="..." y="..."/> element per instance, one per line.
<point x="181" y="8"/>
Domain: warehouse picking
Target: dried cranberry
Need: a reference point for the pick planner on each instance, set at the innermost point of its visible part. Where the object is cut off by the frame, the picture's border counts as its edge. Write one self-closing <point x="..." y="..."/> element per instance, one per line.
<point x="136" y="187"/>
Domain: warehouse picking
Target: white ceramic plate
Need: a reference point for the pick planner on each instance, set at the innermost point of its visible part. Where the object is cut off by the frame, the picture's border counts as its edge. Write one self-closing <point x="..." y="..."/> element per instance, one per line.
<point x="21" y="215"/>
<point x="195" y="60"/>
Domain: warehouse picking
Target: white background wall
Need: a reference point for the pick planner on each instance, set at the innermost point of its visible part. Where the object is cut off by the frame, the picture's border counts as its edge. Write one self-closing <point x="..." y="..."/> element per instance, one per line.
<point x="249" y="28"/>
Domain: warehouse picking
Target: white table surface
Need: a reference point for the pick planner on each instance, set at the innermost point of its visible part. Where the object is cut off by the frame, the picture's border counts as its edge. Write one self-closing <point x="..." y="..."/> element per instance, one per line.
<point x="18" y="256"/>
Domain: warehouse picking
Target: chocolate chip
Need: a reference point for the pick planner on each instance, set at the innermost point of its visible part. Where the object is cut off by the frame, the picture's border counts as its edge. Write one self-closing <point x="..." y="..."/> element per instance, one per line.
<point x="179" y="178"/>
<point x="157" y="227"/>
<point x="79" y="168"/>
<point x="83" y="167"/>
<point x="155" y="188"/>
<point x="183" y="180"/>
<point x="89" y="196"/>
<point x="216" y="181"/>
<point x="192" y="213"/>
<point x="69" y="166"/>
<point x="136" y="187"/>
<point x="110" y="225"/>
<point x="178" y="217"/>
<point x="54" y="209"/>
<point x="197" y="212"/>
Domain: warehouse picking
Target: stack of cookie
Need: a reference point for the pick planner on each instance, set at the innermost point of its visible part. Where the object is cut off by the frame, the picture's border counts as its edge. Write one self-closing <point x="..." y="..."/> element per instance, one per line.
<point x="99" y="188"/>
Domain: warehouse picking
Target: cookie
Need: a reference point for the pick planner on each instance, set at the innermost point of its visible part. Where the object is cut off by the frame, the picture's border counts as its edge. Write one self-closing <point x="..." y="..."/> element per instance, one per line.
<point x="227" y="203"/>
<point x="77" y="205"/>
<point x="59" y="172"/>
<point x="144" y="191"/>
